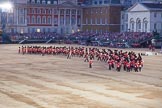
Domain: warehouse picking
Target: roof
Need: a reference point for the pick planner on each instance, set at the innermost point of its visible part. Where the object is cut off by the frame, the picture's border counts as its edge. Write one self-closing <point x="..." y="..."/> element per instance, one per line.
<point x="68" y="4"/>
<point x="149" y="6"/>
<point x="152" y="5"/>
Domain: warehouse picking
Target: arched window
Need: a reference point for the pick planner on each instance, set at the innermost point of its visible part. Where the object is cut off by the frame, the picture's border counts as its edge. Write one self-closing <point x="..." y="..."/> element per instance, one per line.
<point x="138" y="25"/>
<point x="145" y="24"/>
<point x="38" y="20"/>
<point x="44" y="19"/>
<point x="49" y="20"/>
<point x="33" y="20"/>
<point x="132" y="24"/>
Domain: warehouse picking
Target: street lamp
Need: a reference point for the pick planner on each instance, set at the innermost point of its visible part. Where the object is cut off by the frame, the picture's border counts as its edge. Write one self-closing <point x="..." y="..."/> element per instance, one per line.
<point x="4" y="9"/>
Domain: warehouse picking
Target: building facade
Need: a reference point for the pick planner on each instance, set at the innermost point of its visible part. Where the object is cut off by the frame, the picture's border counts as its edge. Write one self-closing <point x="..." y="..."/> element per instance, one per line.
<point x="101" y="19"/>
<point x="69" y="16"/>
<point x="44" y="16"/>
<point x="143" y="17"/>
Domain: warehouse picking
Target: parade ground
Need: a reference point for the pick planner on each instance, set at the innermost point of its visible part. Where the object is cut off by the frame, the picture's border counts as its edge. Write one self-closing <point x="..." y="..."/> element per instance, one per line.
<point x="35" y="81"/>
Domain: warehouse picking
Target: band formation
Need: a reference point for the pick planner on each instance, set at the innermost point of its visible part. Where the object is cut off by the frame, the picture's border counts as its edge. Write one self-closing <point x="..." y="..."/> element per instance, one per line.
<point x="115" y="59"/>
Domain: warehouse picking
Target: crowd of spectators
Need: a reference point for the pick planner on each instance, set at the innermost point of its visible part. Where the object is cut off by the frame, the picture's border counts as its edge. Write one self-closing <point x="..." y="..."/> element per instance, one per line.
<point x="112" y="38"/>
<point x="33" y="36"/>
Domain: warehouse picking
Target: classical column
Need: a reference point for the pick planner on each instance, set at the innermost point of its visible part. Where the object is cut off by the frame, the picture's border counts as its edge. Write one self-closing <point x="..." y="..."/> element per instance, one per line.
<point x="52" y="18"/>
<point x="70" y="17"/>
<point x="17" y="15"/>
<point x="64" y="17"/>
<point x="58" y="17"/>
<point x="76" y="17"/>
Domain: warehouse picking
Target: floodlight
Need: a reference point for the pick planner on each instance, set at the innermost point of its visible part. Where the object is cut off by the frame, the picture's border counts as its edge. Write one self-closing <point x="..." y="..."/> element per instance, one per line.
<point x="6" y="6"/>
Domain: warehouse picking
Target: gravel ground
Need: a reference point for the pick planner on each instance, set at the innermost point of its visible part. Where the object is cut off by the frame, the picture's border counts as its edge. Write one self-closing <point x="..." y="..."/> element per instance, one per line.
<point x="34" y="81"/>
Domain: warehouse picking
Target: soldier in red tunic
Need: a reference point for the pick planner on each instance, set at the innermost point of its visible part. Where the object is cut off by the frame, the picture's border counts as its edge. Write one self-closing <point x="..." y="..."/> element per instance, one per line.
<point x="90" y="63"/>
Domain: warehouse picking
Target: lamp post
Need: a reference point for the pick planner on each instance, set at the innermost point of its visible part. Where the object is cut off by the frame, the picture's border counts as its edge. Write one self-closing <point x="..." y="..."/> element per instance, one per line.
<point x="4" y="9"/>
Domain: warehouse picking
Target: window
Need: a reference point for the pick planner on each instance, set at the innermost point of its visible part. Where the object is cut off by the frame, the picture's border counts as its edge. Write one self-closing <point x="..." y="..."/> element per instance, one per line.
<point x="33" y="30"/>
<point x="106" y="1"/>
<point x="73" y="12"/>
<point x="138" y="25"/>
<point x="122" y="27"/>
<point x="100" y="20"/>
<point x="122" y="16"/>
<point x="28" y="19"/>
<point x="79" y="12"/>
<point x="21" y="20"/>
<point x="86" y="21"/>
<point x="106" y="21"/>
<point x="131" y="24"/>
<point x="145" y="24"/>
<point x="155" y="26"/>
<point x="100" y="2"/>
<point x="62" y="11"/>
<point x="10" y="20"/>
<point x="95" y="2"/>
<point x="38" y="11"/>
<point x="67" y="20"/>
<point x="48" y="2"/>
<point x="48" y="11"/>
<point x="21" y="11"/>
<point x="48" y="30"/>
<point x="38" y="30"/>
<point x="126" y="17"/>
<point x="54" y="2"/>
<point x="55" y="30"/>
<point x="43" y="11"/>
<point x="44" y="19"/>
<point x="55" y="11"/>
<point x="32" y="1"/>
<point x="96" y="21"/>
<point x="44" y="30"/>
<point x="33" y="11"/>
<point x="49" y="20"/>
<point x="28" y="1"/>
<point x="28" y="11"/>
<point x="38" y="20"/>
<point x="73" y="21"/>
<point x="33" y="19"/>
<point x="103" y="21"/>
<point x="155" y="14"/>
<point x="79" y="21"/>
<point x="43" y="2"/>
<point x="61" y="20"/>
<point x="38" y="1"/>
<point x="68" y="11"/>
<point x="55" y="20"/>
<point x="145" y="27"/>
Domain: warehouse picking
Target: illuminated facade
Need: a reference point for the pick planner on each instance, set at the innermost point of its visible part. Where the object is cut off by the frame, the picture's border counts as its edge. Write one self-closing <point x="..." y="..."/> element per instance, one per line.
<point x="45" y="16"/>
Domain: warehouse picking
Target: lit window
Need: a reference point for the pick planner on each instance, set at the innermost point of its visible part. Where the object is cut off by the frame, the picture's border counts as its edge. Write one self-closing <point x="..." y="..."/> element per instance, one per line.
<point x="48" y="2"/>
<point x="38" y="30"/>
